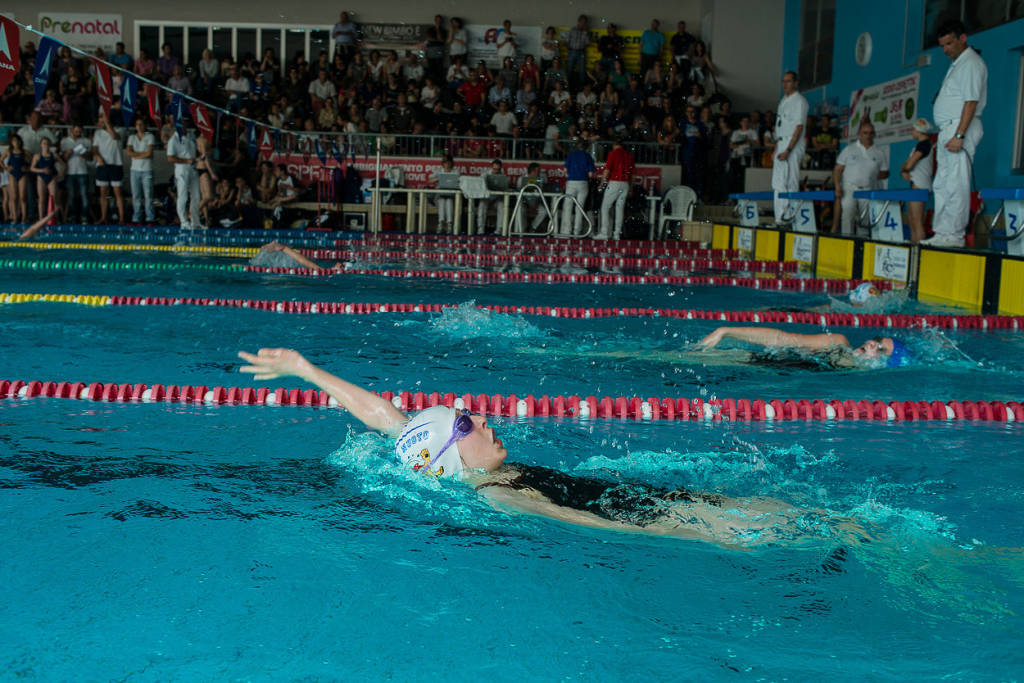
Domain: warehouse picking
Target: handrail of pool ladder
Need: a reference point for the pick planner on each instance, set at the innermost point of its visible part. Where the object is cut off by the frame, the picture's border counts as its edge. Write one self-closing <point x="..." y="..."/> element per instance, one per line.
<point x="511" y="405"/>
<point x="530" y="187"/>
<point x="586" y="215"/>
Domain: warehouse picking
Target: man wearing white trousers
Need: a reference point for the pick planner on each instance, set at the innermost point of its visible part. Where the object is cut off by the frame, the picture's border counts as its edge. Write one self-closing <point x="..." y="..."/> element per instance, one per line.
<point x="860" y="166"/>
<point x="579" y="167"/>
<point x="616" y="177"/>
<point x="789" y="143"/>
<point x="957" y="108"/>
<point x="181" y="151"/>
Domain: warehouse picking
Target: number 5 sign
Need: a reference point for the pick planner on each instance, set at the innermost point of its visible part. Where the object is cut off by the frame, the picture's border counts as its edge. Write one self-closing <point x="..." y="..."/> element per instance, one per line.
<point x="803" y="216"/>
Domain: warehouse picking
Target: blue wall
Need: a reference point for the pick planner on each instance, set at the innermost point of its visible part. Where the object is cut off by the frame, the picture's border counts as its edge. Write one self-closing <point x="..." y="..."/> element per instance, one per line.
<point x="1001" y="48"/>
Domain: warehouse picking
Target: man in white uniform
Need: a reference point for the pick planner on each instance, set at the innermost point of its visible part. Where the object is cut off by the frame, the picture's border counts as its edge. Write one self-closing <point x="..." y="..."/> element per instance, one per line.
<point x="789" y="143"/>
<point x="958" y="108"/>
<point x="860" y="166"/>
<point x="181" y="151"/>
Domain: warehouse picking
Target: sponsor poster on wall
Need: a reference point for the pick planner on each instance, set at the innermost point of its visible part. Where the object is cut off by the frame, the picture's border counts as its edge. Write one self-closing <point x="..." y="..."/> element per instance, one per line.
<point x="83" y="30"/>
<point x="483" y="43"/>
<point x="630" y="47"/>
<point x="892" y="107"/>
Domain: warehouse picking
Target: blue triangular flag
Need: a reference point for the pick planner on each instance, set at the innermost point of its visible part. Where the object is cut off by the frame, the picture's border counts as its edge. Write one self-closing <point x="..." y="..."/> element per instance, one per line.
<point x="336" y="153"/>
<point x="250" y="135"/>
<point x="44" y="60"/>
<point x="320" y="151"/>
<point x="129" y="96"/>
<point x="178" y="111"/>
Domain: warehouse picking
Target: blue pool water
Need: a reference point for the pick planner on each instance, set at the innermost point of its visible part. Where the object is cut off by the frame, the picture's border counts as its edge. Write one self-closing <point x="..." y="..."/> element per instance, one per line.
<point x="159" y="542"/>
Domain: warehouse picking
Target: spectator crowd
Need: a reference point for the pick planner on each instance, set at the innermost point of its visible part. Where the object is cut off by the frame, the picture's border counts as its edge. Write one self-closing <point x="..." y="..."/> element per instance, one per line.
<point x="533" y="106"/>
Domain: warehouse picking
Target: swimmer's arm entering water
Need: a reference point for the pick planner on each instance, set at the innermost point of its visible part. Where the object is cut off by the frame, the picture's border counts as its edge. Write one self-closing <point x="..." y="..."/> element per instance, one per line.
<point x="767" y="336"/>
<point x="295" y="256"/>
<point x="372" y="410"/>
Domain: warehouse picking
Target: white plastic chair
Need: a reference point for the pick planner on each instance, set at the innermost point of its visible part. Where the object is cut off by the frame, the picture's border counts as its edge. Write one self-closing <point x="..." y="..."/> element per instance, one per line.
<point x="681" y="201"/>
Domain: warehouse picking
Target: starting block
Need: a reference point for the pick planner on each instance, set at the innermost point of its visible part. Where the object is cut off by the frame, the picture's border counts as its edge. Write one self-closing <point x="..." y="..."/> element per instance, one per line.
<point x="802" y="208"/>
<point x="746" y="206"/>
<point x="885" y="212"/>
<point x="1013" y="206"/>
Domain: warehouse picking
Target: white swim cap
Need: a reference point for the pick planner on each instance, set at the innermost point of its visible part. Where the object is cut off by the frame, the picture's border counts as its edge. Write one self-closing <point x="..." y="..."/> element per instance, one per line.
<point x="863" y="292"/>
<point x="422" y="439"/>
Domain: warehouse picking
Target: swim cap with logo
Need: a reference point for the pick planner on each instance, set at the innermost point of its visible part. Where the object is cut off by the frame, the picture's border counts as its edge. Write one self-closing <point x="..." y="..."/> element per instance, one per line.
<point x="422" y="439"/>
<point x="863" y="292"/>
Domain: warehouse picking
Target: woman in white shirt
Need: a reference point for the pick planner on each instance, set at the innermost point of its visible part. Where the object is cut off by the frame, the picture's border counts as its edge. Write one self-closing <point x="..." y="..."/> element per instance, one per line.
<point x="140" y="150"/>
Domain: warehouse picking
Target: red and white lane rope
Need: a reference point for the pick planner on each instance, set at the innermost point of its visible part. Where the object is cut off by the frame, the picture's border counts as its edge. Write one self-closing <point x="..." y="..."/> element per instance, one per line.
<point x="890" y="320"/>
<point x="530" y="244"/>
<point x="511" y="405"/>
<point x="479" y="260"/>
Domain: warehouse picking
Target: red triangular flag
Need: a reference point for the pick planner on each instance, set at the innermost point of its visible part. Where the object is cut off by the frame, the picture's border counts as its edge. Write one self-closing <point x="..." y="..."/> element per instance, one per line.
<point x="153" y="96"/>
<point x="10" y="57"/>
<point x="104" y="89"/>
<point x="202" y="120"/>
<point x="266" y="144"/>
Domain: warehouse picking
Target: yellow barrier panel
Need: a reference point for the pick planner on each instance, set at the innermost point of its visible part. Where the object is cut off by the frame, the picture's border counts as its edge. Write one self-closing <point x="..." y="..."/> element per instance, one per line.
<point x="951" y="278"/>
<point x="766" y="245"/>
<point x="1011" y="287"/>
<point x="835" y="258"/>
<point x="234" y="252"/>
<point x="720" y="237"/>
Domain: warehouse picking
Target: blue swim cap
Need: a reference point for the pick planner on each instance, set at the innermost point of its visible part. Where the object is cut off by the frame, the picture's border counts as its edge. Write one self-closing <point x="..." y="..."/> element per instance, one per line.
<point x="901" y="355"/>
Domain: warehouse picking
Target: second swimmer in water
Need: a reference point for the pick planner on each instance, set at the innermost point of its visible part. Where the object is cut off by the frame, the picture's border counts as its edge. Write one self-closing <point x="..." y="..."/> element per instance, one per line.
<point x="834" y="349"/>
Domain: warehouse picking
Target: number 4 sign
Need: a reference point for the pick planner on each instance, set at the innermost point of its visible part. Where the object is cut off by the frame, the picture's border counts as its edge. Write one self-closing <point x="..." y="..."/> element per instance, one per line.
<point x="886" y="221"/>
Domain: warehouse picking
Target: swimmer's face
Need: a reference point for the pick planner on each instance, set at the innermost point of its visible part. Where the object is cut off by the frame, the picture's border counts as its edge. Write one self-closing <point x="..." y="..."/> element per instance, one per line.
<point x="481" y="449"/>
<point x="875" y="349"/>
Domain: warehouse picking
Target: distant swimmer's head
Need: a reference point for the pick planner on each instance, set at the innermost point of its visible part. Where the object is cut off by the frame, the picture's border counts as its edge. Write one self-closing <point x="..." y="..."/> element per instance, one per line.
<point x="442" y="441"/>
<point x="863" y="293"/>
<point x="893" y="352"/>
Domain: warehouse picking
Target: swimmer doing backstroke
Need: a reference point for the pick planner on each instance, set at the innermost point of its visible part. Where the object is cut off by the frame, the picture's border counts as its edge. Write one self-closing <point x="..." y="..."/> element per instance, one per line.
<point x="445" y="442"/>
<point x="836" y="348"/>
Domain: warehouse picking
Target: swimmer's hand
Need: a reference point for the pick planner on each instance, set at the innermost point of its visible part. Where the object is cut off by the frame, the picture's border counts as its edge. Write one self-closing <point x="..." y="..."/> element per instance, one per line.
<point x="274" y="363"/>
<point x="712" y="340"/>
<point x="272" y="246"/>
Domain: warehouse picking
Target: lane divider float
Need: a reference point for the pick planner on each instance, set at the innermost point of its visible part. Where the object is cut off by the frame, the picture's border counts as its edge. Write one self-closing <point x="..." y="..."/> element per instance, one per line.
<point x="512" y="405"/>
<point x="830" y="286"/>
<point x="232" y="252"/>
<point x="865" y="320"/>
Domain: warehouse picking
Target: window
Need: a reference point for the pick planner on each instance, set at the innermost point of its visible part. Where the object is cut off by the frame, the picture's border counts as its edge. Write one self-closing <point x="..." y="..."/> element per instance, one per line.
<point x="236" y="40"/>
<point x="977" y="15"/>
<point x="817" y="37"/>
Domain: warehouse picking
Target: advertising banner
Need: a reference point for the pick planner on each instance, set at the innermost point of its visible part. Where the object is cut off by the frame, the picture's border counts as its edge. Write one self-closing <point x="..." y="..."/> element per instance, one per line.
<point x="418" y="170"/>
<point x="891" y="106"/>
<point x="483" y="43"/>
<point x="388" y="36"/>
<point x="87" y="31"/>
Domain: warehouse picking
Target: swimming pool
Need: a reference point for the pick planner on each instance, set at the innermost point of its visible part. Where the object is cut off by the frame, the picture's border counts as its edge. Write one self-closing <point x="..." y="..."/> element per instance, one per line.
<point x="168" y="541"/>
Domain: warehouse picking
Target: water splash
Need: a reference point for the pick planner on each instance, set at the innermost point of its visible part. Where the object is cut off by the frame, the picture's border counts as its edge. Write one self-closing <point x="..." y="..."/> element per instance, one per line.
<point x="466" y="321"/>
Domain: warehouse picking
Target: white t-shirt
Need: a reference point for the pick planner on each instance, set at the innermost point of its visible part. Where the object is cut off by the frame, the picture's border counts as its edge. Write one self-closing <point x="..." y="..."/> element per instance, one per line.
<point x="286" y="186"/>
<point x="76" y="162"/>
<point x="30" y="138"/>
<point x="862" y="165"/>
<point x="457" y="48"/>
<point x="743" y="138"/>
<point x="109" y="147"/>
<point x="792" y="112"/>
<point x="559" y="96"/>
<point x="965" y="81"/>
<point x="324" y="91"/>
<point x="503" y="123"/>
<point x="583" y="99"/>
<point x="237" y="86"/>
<point x="183" y="148"/>
<point x="506" y="46"/>
<point x="139" y="146"/>
<point x="550" y="136"/>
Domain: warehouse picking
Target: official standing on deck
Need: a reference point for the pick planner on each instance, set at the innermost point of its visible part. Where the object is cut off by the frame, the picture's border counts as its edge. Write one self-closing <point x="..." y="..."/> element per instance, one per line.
<point x="958" y="108"/>
<point x="789" y="143"/>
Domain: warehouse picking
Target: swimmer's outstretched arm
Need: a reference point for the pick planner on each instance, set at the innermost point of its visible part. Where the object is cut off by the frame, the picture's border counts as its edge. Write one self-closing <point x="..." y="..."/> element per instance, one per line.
<point x="37" y="226"/>
<point x="372" y="410"/>
<point x="296" y="256"/>
<point x="767" y="336"/>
